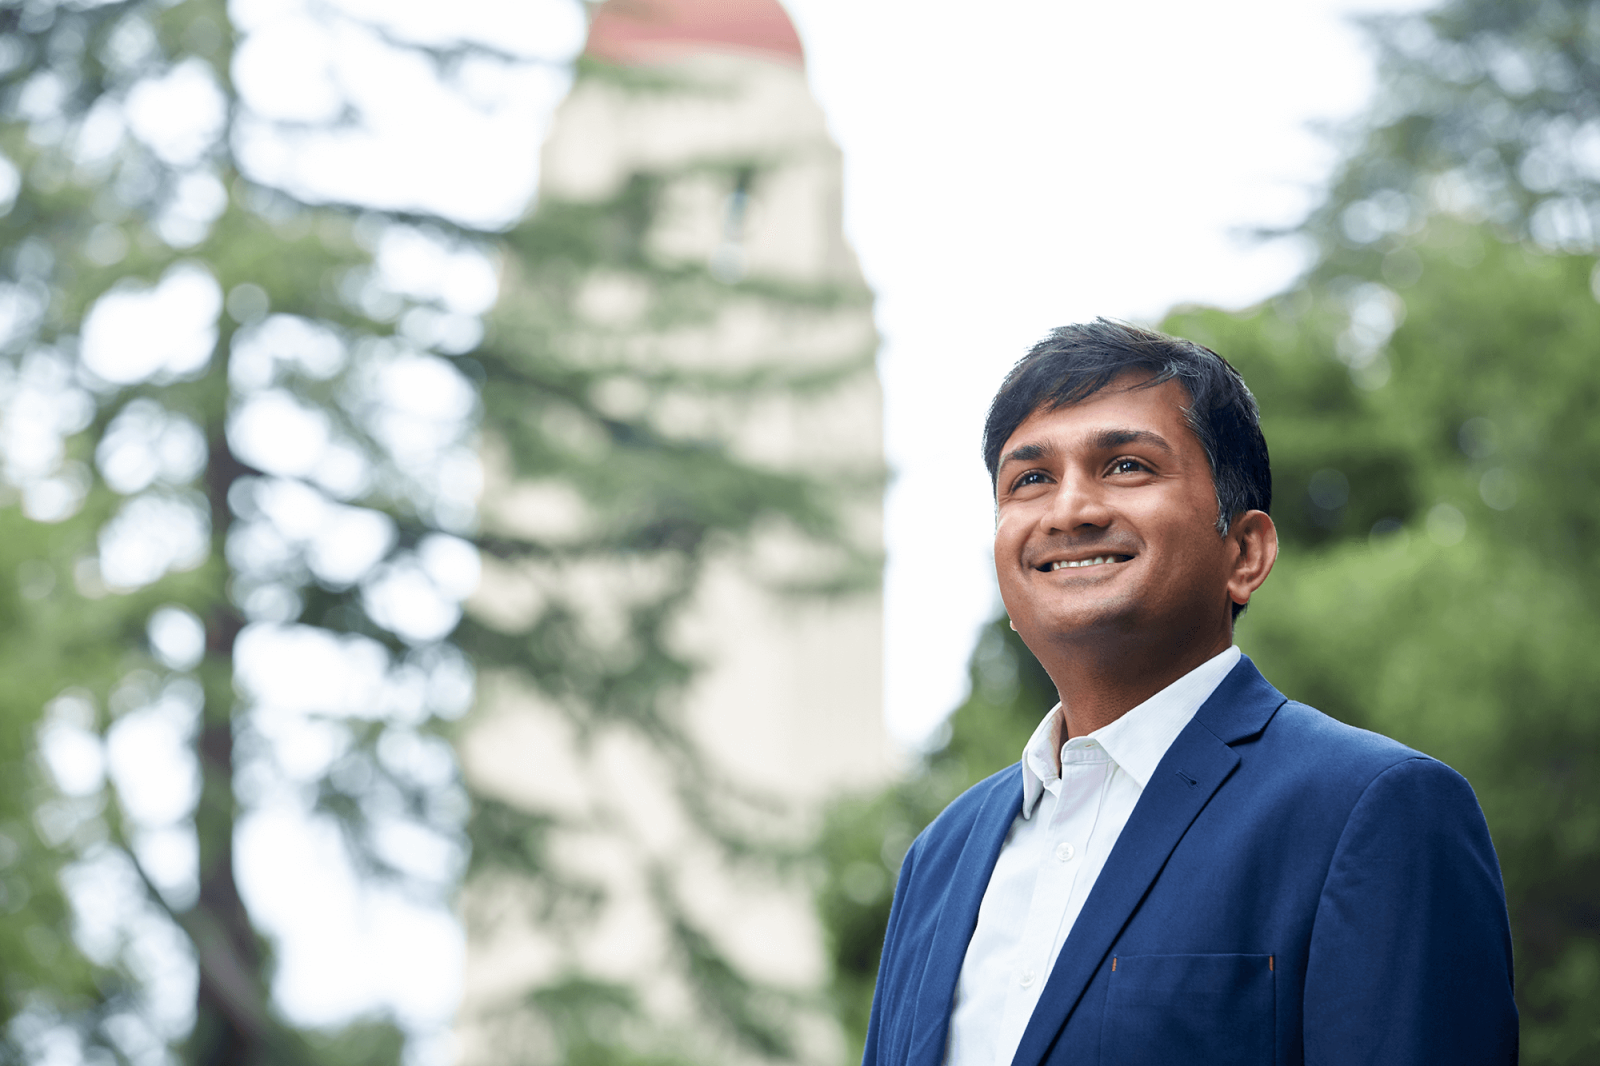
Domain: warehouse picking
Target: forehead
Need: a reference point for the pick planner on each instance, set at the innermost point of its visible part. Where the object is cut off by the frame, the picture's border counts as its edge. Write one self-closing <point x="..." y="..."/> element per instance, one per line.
<point x="1126" y="403"/>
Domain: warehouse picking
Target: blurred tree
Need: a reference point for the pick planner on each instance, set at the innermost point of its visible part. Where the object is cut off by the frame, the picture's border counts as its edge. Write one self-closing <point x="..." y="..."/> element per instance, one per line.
<point x="1427" y="392"/>
<point x="240" y="427"/>
<point x="1489" y="110"/>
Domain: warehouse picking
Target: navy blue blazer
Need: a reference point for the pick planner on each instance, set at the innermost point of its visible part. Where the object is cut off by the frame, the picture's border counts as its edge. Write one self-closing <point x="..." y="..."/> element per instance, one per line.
<point x="1288" y="889"/>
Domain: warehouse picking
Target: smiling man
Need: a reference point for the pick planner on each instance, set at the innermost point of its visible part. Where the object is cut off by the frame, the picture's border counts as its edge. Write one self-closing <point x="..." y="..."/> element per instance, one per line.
<point x="1185" y="866"/>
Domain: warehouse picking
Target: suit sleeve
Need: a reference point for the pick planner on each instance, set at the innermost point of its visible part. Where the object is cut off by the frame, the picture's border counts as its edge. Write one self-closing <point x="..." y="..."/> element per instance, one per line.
<point x="872" y="1054"/>
<point x="1410" y="958"/>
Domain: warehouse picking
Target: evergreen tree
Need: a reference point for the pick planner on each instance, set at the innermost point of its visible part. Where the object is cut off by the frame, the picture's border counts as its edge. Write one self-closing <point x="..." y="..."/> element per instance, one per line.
<point x="240" y="429"/>
<point x="1488" y="110"/>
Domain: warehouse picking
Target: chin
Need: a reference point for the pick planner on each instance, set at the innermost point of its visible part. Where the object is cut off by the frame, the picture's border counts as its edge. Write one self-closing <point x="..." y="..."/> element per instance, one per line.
<point x="1086" y="623"/>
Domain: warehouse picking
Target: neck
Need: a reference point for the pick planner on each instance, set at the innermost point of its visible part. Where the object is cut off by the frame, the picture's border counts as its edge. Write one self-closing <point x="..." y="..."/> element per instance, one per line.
<point x="1099" y="682"/>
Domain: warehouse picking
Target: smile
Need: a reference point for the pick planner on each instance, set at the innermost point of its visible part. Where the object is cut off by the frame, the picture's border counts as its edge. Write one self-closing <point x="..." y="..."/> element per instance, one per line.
<point x="1073" y="564"/>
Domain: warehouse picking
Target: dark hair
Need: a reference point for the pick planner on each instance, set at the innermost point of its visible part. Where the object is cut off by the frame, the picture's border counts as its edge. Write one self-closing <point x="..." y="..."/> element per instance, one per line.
<point x="1075" y="362"/>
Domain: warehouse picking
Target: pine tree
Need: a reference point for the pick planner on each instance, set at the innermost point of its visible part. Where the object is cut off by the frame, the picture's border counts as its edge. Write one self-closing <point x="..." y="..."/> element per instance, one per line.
<point x="241" y="440"/>
<point x="1486" y="110"/>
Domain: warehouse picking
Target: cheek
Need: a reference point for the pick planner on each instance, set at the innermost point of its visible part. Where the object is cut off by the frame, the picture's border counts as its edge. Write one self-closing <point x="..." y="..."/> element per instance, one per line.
<point x="1202" y="559"/>
<point x="1009" y="533"/>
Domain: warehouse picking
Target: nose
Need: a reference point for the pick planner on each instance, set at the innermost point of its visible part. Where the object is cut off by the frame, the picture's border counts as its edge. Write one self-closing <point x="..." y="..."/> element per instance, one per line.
<point x="1078" y="505"/>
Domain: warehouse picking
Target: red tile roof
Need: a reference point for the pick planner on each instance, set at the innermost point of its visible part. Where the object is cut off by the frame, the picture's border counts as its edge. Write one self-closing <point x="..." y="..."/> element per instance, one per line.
<point x="630" y="32"/>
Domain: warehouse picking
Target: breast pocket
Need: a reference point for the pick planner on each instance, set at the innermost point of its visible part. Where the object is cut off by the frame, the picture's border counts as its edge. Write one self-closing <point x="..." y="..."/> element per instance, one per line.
<point x="1167" y="1010"/>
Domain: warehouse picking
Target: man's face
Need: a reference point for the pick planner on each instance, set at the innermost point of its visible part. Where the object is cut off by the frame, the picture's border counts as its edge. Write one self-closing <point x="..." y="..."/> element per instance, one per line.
<point x="1106" y="525"/>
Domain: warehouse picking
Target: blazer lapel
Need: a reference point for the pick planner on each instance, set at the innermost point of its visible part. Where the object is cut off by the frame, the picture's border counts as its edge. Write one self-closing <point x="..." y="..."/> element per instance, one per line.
<point x="1196" y="765"/>
<point x="930" y="1024"/>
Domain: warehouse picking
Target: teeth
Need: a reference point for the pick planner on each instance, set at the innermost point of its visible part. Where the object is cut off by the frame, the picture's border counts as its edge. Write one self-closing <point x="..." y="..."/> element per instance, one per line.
<point x="1096" y="561"/>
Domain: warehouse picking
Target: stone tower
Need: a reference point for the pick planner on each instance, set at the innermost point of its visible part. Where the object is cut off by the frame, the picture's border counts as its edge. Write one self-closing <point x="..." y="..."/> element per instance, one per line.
<point x="710" y="97"/>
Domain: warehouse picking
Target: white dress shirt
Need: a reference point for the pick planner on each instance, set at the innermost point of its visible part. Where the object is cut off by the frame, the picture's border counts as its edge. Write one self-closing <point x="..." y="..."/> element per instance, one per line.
<point x="1052" y="856"/>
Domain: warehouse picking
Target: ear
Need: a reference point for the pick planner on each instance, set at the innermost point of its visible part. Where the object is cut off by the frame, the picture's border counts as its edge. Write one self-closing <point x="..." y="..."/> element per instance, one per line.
<point x="1255" y="542"/>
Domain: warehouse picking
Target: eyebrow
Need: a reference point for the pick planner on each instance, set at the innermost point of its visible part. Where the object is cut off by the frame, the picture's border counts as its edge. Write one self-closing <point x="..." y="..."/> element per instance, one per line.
<point x="1105" y="440"/>
<point x="1028" y="453"/>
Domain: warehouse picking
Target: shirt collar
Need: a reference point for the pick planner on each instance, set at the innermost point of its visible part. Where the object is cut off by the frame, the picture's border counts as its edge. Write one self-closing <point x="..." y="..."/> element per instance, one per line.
<point x="1136" y="741"/>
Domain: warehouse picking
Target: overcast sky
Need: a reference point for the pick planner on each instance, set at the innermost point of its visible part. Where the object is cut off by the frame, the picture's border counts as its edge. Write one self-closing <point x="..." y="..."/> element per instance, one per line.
<point x="1020" y="164"/>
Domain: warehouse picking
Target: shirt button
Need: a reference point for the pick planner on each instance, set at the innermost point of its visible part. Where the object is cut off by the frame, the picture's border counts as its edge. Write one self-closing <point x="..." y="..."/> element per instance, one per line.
<point x="1026" y="980"/>
<point x="1065" y="852"/>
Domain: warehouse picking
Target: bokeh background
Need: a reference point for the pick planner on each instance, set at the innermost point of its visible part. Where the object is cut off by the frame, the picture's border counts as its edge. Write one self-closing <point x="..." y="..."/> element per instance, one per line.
<point x="460" y="603"/>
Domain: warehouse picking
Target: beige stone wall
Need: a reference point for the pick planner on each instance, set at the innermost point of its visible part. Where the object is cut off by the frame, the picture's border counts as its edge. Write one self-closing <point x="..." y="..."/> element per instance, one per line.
<point x="789" y="704"/>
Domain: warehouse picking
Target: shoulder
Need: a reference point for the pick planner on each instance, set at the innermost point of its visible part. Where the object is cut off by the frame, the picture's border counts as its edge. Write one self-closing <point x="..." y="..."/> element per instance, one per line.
<point x="1334" y="746"/>
<point x="1328" y="762"/>
<point x="960" y="815"/>
<point x="953" y="854"/>
<point x="1277" y="736"/>
<point x="955" y="824"/>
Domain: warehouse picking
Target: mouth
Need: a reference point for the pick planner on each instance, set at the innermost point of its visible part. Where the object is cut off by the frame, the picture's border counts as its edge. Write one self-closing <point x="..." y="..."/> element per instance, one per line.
<point x="1079" y="564"/>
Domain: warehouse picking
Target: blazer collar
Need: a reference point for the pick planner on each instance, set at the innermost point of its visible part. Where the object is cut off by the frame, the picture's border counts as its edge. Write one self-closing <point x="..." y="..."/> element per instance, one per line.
<point x="1196" y="765"/>
<point x="1242" y="705"/>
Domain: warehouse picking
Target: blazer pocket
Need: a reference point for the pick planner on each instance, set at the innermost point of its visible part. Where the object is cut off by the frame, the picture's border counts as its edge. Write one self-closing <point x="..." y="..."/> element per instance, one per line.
<point x="1167" y="1010"/>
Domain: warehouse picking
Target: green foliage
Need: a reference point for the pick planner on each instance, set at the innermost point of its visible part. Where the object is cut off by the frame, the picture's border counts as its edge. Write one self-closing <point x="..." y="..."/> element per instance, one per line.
<point x="1485" y="108"/>
<point x="595" y="1024"/>
<point x="658" y="499"/>
<point x="361" y="1043"/>
<point x="864" y="838"/>
<point x="47" y="637"/>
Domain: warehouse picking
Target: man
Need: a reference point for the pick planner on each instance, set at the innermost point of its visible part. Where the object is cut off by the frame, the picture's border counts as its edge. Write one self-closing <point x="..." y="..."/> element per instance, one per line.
<point x="1185" y="867"/>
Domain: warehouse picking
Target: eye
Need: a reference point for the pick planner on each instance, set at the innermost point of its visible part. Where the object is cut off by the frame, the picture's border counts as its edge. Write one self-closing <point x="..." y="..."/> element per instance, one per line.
<point x="1128" y="466"/>
<point x="1032" y="477"/>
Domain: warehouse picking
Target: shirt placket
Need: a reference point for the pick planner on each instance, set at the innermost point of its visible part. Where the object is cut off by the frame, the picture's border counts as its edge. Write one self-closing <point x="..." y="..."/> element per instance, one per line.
<point x="1076" y="795"/>
<point x="1085" y="792"/>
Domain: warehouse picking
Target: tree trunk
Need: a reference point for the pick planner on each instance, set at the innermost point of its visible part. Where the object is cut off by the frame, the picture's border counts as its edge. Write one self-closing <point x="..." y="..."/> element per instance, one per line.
<point x="232" y="1024"/>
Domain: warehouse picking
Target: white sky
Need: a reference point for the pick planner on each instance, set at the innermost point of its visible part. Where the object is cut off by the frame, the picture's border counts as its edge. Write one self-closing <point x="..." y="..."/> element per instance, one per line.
<point x="1021" y="164"/>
